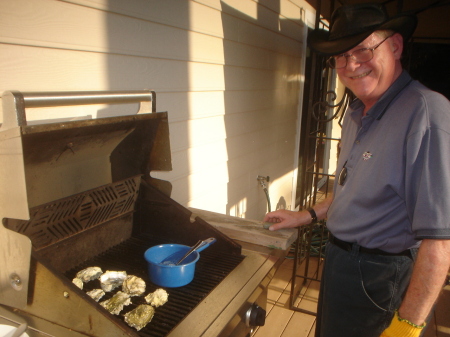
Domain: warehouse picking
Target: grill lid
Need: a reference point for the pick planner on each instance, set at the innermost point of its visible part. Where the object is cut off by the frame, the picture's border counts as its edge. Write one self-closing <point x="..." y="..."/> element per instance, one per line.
<point x="42" y="163"/>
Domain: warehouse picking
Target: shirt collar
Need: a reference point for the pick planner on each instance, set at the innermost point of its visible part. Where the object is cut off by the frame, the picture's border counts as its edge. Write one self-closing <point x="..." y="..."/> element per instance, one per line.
<point x="379" y="108"/>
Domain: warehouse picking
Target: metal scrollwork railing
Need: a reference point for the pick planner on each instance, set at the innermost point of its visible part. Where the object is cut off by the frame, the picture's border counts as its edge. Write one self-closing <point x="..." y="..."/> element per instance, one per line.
<point x="325" y="107"/>
<point x="320" y="108"/>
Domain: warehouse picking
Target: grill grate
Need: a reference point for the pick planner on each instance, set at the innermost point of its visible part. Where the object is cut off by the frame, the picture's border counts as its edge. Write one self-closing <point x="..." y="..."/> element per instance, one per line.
<point x="128" y="256"/>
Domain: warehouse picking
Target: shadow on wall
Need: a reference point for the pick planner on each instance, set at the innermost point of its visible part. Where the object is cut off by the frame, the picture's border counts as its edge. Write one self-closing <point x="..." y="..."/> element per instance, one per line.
<point x="257" y="100"/>
<point x="281" y="204"/>
<point x="244" y="146"/>
<point x="146" y="53"/>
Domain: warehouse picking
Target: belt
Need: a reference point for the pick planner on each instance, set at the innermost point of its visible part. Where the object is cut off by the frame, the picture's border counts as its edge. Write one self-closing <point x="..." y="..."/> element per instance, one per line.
<point x="349" y="246"/>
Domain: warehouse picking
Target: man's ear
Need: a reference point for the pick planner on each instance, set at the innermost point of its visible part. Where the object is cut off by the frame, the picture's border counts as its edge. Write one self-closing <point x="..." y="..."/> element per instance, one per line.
<point x="397" y="45"/>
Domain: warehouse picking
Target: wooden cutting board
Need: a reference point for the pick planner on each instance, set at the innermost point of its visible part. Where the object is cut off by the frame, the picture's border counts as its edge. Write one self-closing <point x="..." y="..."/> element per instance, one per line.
<point x="248" y="230"/>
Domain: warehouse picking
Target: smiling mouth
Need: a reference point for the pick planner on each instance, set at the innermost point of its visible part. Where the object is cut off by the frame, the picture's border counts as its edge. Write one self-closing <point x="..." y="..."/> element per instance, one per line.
<point x="360" y="76"/>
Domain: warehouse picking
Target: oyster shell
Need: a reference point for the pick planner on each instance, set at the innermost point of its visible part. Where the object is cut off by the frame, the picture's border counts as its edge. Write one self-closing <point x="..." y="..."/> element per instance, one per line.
<point x="157" y="298"/>
<point x="140" y="316"/>
<point x="78" y="282"/>
<point x="89" y="274"/>
<point x="133" y="285"/>
<point x="112" y="279"/>
<point x="96" y="294"/>
<point x="116" y="303"/>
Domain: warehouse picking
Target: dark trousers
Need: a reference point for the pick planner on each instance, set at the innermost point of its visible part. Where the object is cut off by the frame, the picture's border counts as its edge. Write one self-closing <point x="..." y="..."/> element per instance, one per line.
<point x="359" y="292"/>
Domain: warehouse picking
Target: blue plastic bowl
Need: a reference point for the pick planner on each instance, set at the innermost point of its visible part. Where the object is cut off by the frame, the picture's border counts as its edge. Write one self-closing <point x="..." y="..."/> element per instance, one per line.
<point x="170" y="276"/>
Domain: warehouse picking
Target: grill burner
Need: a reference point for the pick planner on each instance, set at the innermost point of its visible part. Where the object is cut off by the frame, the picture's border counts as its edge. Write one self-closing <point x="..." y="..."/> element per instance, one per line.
<point x="211" y="269"/>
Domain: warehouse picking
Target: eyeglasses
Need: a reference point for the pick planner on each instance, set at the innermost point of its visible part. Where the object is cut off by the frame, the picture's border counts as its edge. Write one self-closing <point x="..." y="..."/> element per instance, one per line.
<point x="358" y="56"/>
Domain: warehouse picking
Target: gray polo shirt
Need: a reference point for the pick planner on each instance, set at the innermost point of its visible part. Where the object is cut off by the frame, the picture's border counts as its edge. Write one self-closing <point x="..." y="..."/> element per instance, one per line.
<point x="397" y="189"/>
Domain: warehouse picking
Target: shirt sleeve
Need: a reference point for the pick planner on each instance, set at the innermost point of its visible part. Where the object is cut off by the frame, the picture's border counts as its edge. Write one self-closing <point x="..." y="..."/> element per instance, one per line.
<point x="427" y="176"/>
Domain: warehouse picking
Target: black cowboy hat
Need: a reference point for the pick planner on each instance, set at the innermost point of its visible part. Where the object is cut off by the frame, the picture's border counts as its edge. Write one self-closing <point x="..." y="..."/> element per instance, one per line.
<point x="352" y="24"/>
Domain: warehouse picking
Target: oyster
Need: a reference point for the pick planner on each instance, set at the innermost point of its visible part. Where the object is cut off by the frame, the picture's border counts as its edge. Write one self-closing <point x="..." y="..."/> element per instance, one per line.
<point x="133" y="285"/>
<point x="96" y="294"/>
<point x="157" y="298"/>
<point x="89" y="274"/>
<point x="140" y="316"/>
<point x="78" y="282"/>
<point x="116" y="303"/>
<point x="112" y="279"/>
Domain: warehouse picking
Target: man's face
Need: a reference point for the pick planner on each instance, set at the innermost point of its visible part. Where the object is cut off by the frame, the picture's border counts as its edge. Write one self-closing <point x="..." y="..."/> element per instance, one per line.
<point x="369" y="80"/>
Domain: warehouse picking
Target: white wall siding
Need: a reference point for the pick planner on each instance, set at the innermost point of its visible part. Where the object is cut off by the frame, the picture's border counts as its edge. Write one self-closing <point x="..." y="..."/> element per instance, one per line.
<point x="227" y="71"/>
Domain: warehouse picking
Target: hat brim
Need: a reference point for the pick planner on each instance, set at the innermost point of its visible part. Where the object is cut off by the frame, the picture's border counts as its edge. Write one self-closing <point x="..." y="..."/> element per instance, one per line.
<point x="318" y="40"/>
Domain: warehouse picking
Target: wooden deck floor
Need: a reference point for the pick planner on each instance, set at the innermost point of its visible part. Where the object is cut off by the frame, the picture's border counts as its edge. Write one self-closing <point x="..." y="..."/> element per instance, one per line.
<point x="281" y="321"/>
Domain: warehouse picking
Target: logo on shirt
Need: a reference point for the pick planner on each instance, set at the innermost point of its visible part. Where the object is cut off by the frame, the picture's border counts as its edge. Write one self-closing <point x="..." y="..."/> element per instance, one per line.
<point x="367" y="155"/>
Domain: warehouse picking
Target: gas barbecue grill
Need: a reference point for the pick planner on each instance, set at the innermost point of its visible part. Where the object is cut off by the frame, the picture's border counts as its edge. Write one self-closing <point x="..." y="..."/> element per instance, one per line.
<point x="79" y="194"/>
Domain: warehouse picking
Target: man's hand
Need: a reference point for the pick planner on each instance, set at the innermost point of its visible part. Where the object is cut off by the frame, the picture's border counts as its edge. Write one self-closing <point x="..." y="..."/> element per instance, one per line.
<point x="287" y="219"/>
<point x="290" y="219"/>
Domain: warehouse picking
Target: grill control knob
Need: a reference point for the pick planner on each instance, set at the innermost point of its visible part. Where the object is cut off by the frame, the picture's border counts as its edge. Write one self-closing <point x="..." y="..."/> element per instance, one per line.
<point x="255" y="316"/>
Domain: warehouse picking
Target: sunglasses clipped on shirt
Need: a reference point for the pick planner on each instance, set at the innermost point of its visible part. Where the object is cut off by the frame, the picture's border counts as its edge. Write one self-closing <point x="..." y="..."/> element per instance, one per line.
<point x="343" y="174"/>
<point x="358" y="56"/>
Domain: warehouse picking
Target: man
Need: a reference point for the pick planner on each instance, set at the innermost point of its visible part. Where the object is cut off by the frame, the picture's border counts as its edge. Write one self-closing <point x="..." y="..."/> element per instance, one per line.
<point x="392" y="187"/>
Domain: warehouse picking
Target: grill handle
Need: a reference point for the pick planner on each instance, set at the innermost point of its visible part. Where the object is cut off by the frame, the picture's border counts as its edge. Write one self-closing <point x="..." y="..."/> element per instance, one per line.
<point x="15" y="102"/>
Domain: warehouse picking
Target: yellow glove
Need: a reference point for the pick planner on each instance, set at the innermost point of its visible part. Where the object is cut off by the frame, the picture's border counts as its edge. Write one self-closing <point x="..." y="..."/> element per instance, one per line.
<point x="402" y="328"/>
